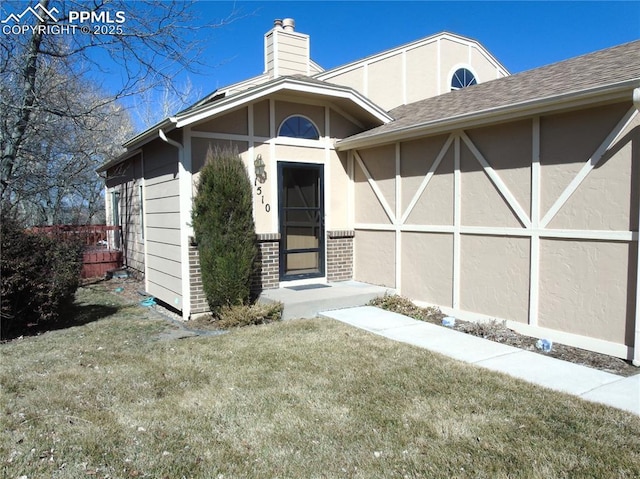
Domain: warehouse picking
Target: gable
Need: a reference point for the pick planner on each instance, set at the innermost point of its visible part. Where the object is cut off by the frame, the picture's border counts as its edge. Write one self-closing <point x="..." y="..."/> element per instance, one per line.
<point x="419" y="70"/>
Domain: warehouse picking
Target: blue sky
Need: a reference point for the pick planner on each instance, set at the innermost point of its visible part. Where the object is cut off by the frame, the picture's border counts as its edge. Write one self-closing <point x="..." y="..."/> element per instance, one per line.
<point x="521" y="35"/>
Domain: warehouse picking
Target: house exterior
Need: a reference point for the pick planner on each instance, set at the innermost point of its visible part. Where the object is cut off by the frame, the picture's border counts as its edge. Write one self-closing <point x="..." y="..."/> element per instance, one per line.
<point x="426" y="168"/>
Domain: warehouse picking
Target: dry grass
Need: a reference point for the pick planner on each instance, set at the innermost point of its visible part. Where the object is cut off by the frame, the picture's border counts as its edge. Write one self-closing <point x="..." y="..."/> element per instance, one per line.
<point x="309" y="398"/>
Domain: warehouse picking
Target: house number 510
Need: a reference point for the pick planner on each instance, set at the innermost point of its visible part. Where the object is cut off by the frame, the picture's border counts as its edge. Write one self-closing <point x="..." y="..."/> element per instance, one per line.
<point x="267" y="206"/>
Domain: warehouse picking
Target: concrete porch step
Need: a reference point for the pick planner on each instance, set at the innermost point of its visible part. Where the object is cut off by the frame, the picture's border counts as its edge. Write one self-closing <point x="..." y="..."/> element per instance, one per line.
<point x="308" y="300"/>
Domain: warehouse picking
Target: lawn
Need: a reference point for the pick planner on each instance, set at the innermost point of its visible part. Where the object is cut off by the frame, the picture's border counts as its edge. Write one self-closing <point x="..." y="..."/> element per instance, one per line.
<point x="108" y="397"/>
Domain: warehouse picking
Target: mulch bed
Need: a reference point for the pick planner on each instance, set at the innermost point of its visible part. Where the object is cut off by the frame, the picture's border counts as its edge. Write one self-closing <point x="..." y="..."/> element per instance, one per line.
<point x="498" y="332"/>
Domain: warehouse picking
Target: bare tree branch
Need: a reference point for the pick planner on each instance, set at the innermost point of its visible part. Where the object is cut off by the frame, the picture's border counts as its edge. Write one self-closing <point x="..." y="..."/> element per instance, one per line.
<point x="58" y="117"/>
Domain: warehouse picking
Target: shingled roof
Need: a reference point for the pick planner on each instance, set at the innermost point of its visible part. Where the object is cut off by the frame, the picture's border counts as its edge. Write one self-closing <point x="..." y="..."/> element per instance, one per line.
<point x="602" y="70"/>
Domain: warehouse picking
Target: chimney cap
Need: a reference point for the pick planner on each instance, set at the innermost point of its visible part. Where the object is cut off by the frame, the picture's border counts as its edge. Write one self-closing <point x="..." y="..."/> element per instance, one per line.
<point x="277" y="23"/>
<point x="289" y="24"/>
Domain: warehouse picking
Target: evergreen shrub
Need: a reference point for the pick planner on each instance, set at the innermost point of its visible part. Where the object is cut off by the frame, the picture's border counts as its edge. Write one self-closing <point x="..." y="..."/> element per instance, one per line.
<point x="224" y="229"/>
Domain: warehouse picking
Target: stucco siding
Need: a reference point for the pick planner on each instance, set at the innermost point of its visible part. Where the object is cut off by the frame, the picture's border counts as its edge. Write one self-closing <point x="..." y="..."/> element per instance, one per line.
<point x="368" y="208"/>
<point x="380" y="163"/>
<point x="375" y="257"/>
<point x="435" y="203"/>
<point x="235" y="122"/>
<point x="587" y="288"/>
<point x="453" y="55"/>
<point x="426" y="267"/>
<point x="486" y="230"/>
<point x="353" y="78"/>
<point x="494" y="275"/>
<point x="607" y="192"/>
<point x="510" y="159"/>
<point x="342" y="127"/>
<point x="567" y="141"/>
<point x="261" y="118"/>
<point x="200" y="147"/>
<point x="279" y="149"/>
<point x="285" y="109"/>
<point x="422" y="72"/>
<point x="386" y="82"/>
<point x="302" y="154"/>
<point x="415" y="71"/>
<point x="481" y="202"/>
<point x="338" y="185"/>
<point x="483" y="67"/>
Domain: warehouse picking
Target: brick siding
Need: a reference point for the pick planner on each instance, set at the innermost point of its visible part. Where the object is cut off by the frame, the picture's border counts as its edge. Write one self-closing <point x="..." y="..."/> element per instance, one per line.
<point x="268" y="276"/>
<point x="340" y="255"/>
<point x="198" y="300"/>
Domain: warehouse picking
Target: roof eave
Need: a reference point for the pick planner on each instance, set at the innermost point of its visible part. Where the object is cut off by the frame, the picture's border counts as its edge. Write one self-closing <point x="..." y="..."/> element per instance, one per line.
<point x="288" y="83"/>
<point x="618" y="91"/>
<point x="151" y="133"/>
<point x="116" y="161"/>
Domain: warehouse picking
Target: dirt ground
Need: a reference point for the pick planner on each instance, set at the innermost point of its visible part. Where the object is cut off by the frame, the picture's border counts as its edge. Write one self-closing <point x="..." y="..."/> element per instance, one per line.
<point x="133" y="290"/>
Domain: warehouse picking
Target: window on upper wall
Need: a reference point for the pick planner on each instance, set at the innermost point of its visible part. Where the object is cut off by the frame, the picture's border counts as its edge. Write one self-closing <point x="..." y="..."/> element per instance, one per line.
<point x="462" y="78"/>
<point x="299" y="127"/>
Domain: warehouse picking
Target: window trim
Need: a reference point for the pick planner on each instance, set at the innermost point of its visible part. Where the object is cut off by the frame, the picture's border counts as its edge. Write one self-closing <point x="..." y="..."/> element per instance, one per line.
<point x="297" y="115"/>
<point x="455" y="70"/>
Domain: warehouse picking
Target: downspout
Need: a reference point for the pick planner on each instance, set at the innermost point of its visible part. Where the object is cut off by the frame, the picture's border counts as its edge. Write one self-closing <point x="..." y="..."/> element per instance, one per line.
<point x="184" y="187"/>
<point x="636" y="340"/>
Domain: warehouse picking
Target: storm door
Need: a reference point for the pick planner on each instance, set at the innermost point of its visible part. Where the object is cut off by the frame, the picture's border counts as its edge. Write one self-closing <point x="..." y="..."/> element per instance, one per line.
<point x="301" y="209"/>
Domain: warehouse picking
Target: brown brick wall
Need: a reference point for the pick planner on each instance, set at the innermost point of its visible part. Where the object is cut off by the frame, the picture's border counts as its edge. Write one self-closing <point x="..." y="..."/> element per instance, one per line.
<point x="340" y="255"/>
<point x="268" y="276"/>
<point x="198" y="300"/>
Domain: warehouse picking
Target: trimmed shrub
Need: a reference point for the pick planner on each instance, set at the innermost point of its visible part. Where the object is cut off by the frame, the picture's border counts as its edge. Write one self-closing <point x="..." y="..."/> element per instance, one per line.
<point x="38" y="280"/>
<point x="225" y="232"/>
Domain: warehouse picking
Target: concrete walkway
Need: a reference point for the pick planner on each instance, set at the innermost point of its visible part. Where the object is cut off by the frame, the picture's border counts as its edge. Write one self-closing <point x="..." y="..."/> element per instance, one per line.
<point x="586" y="383"/>
<point x="308" y="300"/>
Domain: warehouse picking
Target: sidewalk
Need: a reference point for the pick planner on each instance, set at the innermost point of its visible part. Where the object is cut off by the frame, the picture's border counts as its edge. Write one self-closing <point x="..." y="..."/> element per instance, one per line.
<point x="586" y="383"/>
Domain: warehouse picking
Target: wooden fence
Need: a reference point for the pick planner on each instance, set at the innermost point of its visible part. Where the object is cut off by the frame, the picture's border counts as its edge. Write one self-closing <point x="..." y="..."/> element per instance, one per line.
<point x="101" y="242"/>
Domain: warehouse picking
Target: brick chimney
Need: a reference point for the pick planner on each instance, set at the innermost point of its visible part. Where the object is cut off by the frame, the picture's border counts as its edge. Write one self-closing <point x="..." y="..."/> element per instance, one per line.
<point x="286" y="52"/>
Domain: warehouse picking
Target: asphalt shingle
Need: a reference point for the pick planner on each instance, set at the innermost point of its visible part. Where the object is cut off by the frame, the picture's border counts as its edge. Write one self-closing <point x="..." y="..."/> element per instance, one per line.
<point x="599" y="69"/>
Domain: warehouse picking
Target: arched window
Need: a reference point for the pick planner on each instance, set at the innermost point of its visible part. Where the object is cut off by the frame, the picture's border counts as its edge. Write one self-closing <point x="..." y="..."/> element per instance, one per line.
<point x="462" y="78"/>
<point x="299" y="127"/>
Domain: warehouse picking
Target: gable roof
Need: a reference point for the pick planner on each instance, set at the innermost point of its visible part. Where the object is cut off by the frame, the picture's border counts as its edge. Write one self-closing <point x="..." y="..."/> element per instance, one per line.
<point x="328" y="74"/>
<point x="344" y="98"/>
<point x="299" y="84"/>
<point x="602" y="75"/>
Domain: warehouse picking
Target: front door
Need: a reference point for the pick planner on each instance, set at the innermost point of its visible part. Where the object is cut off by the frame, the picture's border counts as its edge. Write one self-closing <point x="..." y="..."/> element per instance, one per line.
<point x="301" y="209"/>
